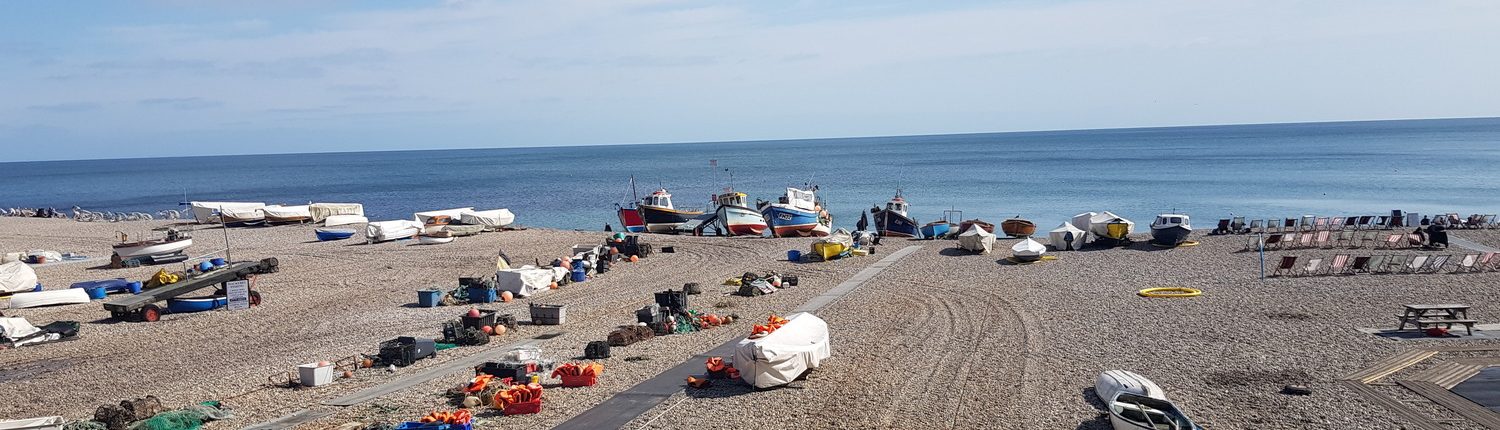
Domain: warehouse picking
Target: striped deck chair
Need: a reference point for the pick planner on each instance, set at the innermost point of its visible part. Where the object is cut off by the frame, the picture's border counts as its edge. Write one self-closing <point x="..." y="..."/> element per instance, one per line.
<point x="1416" y="263"/>
<point x="1435" y="264"/>
<point x="1286" y="266"/>
<point x="1487" y="262"/>
<point x="1337" y="223"/>
<point x="1305" y="240"/>
<point x="1345" y="239"/>
<point x="1322" y="239"/>
<point x="1467" y="264"/>
<point x="1390" y="242"/>
<point x="1320" y="223"/>
<point x="1377" y="264"/>
<point x="1257" y="226"/>
<point x="1413" y="240"/>
<point x="1360" y="264"/>
<point x="1339" y="264"/>
<point x="1312" y="267"/>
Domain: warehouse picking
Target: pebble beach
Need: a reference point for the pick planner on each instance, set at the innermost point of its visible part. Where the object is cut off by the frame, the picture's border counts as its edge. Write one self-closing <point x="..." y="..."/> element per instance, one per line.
<point x="943" y="338"/>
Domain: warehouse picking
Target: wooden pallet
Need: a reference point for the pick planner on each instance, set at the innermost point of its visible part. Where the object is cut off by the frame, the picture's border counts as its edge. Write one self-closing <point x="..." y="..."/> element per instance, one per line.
<point x="1389" y="365"/>
<point x="1449" y="374"/>
<point x="1456" y="403"/>
<point x="1400" y="409"/>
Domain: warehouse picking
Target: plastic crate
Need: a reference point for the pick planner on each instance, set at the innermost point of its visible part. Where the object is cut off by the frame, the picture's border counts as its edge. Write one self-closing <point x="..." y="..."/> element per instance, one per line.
<point x="543" y="314"/>
<point x="405" y="350"/>
<point x="571" y="381"/>
<point x="674" y="299"/>
<point x="530" y="407"/>
<point x="650" y="314"/>
<point x="486" y="318"/>
<point x="481" y="294"/>
<point x="428" y="298"/>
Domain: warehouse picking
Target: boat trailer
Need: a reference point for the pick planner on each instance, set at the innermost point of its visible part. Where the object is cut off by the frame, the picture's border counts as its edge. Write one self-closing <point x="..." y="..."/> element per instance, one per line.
<point x="142" y="307"/>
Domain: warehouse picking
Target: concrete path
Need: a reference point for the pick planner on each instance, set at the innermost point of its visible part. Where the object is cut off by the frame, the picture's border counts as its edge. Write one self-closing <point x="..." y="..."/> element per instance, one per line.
<point x="1458" y="241"/>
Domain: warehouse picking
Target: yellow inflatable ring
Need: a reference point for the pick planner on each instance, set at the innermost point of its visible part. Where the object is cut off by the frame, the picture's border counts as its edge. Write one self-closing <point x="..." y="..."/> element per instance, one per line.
<point x="1170" y="292"/>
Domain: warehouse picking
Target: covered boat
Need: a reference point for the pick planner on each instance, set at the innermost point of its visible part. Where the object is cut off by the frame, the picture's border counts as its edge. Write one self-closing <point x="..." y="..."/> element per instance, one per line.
<point x="778" y="358"/>
<point x="335" y="220"/>
<point x="173" y="243"/>
<point x="441" y="217"/>
<point x="327" y="234"/>
<point x="324" y="211"/>
<point x="964" y="225"/>
<point x="976" y="239"/>
<point x="1110" y="228"/>
<point x="660" y="216"/>
<point x="1082" y="221"/>
<point x="435" y="238"/>
<point x="209" y="212"/>
<point x="1028" y="250"/>
<point x="279" y="214"/>
<point x="893" y="220"/>
<point x="1170" y="230"/>
<point x="1136" y="403"/>
<point x="491" y="219"/>
<point x="1017" y="227"/>
<point x="1066" y="237"/>
<point x="734" y="213"/>
<point x="524" y="281"/>
<point x="832" y="246"/>
<point x="16" y="277"/>
<point x="796" y="214"/>
<point x="48" y="298"/>
<point x="936" y="229"/>
<point x="381" y="231"/>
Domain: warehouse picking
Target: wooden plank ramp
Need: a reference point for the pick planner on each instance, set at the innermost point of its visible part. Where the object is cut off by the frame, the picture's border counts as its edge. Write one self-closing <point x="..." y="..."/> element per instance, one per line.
<point x="1456" y="403"/>
<point x="1449" y="374"/>
<point x="1387" y="366"/>
<point x="1407" y="414"/>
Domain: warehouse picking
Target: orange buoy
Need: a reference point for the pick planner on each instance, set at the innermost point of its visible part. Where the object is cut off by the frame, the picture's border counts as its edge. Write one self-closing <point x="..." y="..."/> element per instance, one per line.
<point x="506" y="296"/>
<point x="634" y="259"/>
<point x="488" y="329"/>
<point x="553" y="286"/>
<point x="499" y="330"/>
<point x="348" y="374"/>
<point x="614" y="250"/>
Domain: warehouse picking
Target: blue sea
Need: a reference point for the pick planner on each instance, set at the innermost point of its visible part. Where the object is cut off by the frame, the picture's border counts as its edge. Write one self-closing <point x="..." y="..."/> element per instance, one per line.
<point x="1209" y="172"/>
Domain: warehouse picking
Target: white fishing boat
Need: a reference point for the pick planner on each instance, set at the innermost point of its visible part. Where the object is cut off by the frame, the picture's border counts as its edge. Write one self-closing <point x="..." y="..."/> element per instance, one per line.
<point x="173" y="243"/>
<point x="441" y="217"/>
<point x="490" y="219"/>
<point x="48" y="298"/>
<point x="322" y="211"/>
<point x="1111" y="228"/>
<point x="336" y="220"/>
<point x="1136" y="403"/>
<point x="1066" y="237"/>
<point x="209" y="212"/>
<point x="437" y="238"/>
<point x="1028" y="250"/>
<point x="281" y="214"/>
<point x="382" y="231"/>
<point x="977" y="239"/>
<point x="734" y="213"/>
<point x="1170" y="230"/>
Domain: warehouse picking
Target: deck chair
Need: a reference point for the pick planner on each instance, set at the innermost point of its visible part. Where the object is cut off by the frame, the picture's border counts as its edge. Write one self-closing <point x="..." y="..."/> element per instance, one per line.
<point x="1345" y="239"/>
<point x="1467" y="264"/>
<point x="1436" y="264"/>
<point x="1336" y="224"/>
<point x="1351" y="223"/>
<point x="1305" y="240"/>
<point x="1416" y="264"/>
<point x="1286" y="266"/>
<point x="1391" y="241"/>
<point x="1237" y="225"/>
<point x="1320" y="223"/>
<point x="1367" y="222"/>
<point x="1491" y="221"/>
<point x="1339" y="264"/>
<point x="1368" y="238"/>
<point x="1291" y="225"/>
<point x="1360" y="264"/>
<point x="1322" y="239"/>
<point x="1257" y="226"/>
<point x="1312" y="267"/>
<point x="1275" y="241"/>
<point x="1486" y="262"/>
<point x="1413" y="240"/>
<point x="1222" y="228"/>
<point x="1307" y="222"/>
<point x="1377" y="264"/>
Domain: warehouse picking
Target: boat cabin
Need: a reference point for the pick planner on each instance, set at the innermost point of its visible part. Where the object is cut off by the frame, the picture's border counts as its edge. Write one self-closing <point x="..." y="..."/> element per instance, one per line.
<point x="897" y="205"/>
<point x="1171" y="220"/>
<point x="660" y="199"/>
<point x="731" y="199"/>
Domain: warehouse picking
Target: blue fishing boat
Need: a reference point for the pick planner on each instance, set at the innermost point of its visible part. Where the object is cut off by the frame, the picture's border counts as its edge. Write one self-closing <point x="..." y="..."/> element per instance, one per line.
<point x="893" y="221"/>
<point x="936" y="229"/>
<point x="797" y="214"/>
<point x="326" y="234"/>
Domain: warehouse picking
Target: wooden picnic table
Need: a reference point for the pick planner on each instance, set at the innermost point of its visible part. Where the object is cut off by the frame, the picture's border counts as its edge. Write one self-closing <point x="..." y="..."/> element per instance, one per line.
<point x="1448" y="314"/>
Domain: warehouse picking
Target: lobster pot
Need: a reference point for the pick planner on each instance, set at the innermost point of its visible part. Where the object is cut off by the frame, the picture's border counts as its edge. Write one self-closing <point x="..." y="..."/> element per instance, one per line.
<point x="780" y="357"/>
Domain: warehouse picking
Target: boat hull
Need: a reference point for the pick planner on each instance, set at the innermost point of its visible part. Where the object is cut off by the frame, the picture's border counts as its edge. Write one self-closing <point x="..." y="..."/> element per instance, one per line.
<point x="142" y="249"/>
<point x="742" y="221"/>
<point x="630" y="220"/>
<point x="891" y="224"/>
<point x="201" y="304"/>
<point x="433" y="240"/>
<point x="936" y="229"/>
<point x="1170" y="236"/>
<point x="333" y="234"/>
<point x="1018" y="227"/>
<point x="663" y="220"/>
<point x="792" y="222"/>
<point x="964" y="226"/>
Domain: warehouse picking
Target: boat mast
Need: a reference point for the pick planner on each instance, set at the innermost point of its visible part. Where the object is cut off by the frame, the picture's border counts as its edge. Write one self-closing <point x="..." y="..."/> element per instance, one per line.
<point x="633" y="194"/>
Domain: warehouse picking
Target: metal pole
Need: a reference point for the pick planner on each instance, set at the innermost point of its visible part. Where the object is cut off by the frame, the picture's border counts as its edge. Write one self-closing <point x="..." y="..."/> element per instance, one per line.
<point x="1260" y="240"/>
<point x="225" y="227"/>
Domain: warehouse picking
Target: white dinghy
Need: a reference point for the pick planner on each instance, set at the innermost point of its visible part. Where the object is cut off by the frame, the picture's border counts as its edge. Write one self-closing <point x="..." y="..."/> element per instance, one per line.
<point x="1136" y="403"/>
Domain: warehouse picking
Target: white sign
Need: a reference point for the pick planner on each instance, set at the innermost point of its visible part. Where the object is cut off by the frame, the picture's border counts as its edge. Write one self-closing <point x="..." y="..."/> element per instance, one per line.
<point x="239" y="294"/>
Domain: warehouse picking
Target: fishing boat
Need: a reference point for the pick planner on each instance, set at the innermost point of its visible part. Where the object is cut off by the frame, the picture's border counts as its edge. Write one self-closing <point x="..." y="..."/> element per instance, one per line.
<point x="209" y="212"/>
<point x="327" y="234"/>
<point x="735" y="214"/>
<point x="936" y="229"/>
<point x="333" y="220"/>
<point x="243" y="216"/>
<point x="964" y="226"/>
<point x="1170" y="230"/>
<point x="1028" y="250"/>
<point x="1017" y="227"/>
<point x="173" y="243"/>
<point x="893" y="220"/>
<point x="382" y="231"/>
<point x="441" y="217"/>
<point x="976" y="239"/>
<point x="1136" y="403"/>
<point x="660" y="216"/>
<point x="796" y="214"/>
<point x="280" y="214"/>
<point x="834" y="245"/>
<point x="435" y="238"/>
<point x="1111" y="229"/>
<point x="1066" y="237"/>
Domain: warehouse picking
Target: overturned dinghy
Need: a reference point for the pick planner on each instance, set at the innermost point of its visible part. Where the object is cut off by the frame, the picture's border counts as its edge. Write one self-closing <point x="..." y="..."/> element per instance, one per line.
<point x="48" y="298"/>
<point x="1028" y="250"/>
<point x="1136" y="403"/>
<point x="833" y="245"/>
<point x="977" y="239"/>
<point x="1066" y="237"/>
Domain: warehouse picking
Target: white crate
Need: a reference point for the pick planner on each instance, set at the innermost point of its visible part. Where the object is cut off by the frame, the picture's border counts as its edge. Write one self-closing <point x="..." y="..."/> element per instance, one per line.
<point x="43" y="423"/>
<point x="313" y="375"/>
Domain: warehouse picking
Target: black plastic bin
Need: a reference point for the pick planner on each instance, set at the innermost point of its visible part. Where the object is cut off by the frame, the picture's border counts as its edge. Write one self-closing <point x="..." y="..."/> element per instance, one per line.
<point x="676" y="300"/>
<point x="486" y="318"/>
<point x="405" y="350"/>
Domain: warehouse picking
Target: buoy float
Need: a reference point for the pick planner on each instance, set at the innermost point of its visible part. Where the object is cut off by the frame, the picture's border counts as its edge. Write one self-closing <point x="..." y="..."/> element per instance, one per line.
<point x="348" y="374"/>
<point x="1170" y="292"/>
<point x="553" y="286"/>
<point x="473" y="312"/>
<point x="488" y="329"/>
<point x="634" y="258"/>
<point x="498" y="330"/>
<point x="506" y="296"/>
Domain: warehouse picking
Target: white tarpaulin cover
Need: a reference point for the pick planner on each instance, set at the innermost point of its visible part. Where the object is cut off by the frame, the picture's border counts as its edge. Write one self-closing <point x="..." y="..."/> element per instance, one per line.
<point x="1066" y="237"/>
<point x="381" y="231"/>
<point x="492" y="218"/>
<point x="523" y="282"/>
<point x="321" y="211"/>
<point x="452" y="214"/>
<point x="976" y="239"/>
<point x="16" y="277"/>
<point x="208" y="212"/>
<point x="16" y="328"/>
<point x="782" y="356"/>
<point x="48" y="298"/>
<point x="279" y="211"/>
<point x="334" y="220"/>
<point x="1083" y="220"/>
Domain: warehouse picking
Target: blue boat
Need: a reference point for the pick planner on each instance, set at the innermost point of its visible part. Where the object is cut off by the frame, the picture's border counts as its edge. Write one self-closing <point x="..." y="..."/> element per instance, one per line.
<point x="936" y="229"/>
<point x="893" y="221"/>
<point x="327" y="234"/>
<point x="198" y="304"/>
<point x="797" y="214"/>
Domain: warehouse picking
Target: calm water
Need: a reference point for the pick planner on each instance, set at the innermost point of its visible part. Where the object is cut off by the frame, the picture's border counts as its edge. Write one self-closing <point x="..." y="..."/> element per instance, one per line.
<point x="1208" y="172"/>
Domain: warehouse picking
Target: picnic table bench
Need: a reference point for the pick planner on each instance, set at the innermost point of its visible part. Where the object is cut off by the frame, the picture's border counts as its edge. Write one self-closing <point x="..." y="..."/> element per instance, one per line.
<point x="1424" y="315"/>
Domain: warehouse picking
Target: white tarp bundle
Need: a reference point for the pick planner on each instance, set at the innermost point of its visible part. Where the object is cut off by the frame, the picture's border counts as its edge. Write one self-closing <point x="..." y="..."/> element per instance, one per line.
<point x="452" y="214"/>
<point x="1083" y="220"/>
<point x="976" y="239"/>
<point x="1066" y="237"/>
<point x="525" y="281"/>
<point x="321" y="211"/>
<point x="782" y="356"/>
<point x="334" y="220"/>
<point x="208" y="212"/>
<point x="288" y="212"/>
<point x="16" y="277"/>
<point x="12" y="329"/>
<point x="381" y="231"/>
<point x="48" y="298"/>
<point x="491" y="218"/>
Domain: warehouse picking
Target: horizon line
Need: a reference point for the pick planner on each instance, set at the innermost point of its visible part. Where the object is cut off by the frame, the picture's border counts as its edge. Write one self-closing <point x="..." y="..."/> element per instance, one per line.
<point x="822" y="138"/>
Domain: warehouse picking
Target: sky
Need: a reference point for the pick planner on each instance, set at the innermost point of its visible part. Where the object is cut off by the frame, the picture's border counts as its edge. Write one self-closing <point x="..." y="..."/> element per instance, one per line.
<point x="147" y="78"/>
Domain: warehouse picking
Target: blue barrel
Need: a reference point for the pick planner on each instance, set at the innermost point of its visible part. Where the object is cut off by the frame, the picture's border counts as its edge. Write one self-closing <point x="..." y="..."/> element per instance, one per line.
<point x="135" y="287"/>
<point x="794" y="255"/>
<point x="580" y="274"/>
<point x="205" y="266"/>
<point x="38" y="288"/>
<point x="428" y="298"/>
<point x="218" y="262"/>
<point x="96" y="293"/>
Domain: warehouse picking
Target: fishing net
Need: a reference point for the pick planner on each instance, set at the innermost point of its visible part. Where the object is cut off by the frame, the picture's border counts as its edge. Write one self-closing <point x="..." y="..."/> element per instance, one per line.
<point x="85" y="425"/>
<point x="189" y="418"/>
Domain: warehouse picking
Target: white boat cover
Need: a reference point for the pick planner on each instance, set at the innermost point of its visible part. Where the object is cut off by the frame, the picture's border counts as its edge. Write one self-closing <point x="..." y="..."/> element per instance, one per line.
<point x="454" y="214"/>
<point x="1028" y="248"/>
<point x="381" y="231"/>
<point x="208" y="212"/>
<point x="434" y="240"/>
<point x="1099" y="223"/>
<point x="976" y="239"/>
<point x="1113" y="382"/>
<point x="16" y="277"/>
<point x="1066" y="237"/>
<point x="333" y="220"/>
<point x="280" y="211"/>
<point x="244" y="214"/>
<point x="839" y="236"/>
<point x="780" y="357"/>
<point x="321" y="211"/>
<point x="490" y="218"/>
<point x="16" y="328"/>
<point x="525" y="281"/>
<point x="49" y="298"/>
<point x="1083" y="220"/>
<point x="455" y="230"/>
